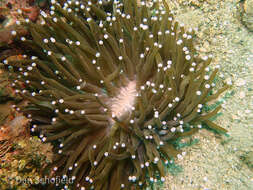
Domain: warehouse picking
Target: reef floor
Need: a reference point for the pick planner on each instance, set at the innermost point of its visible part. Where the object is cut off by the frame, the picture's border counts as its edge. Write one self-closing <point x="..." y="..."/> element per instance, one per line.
<point x="221" y="163"/>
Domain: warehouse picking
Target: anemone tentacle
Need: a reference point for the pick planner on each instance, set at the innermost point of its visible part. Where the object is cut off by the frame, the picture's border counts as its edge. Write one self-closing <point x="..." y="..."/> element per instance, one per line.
<point x="115" y="89"/>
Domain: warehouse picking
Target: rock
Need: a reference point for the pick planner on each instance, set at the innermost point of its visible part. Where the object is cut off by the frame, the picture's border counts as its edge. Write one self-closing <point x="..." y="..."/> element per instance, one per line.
<point x="247" y="14"/>
<point x="242" y="95"/>
<point x="240" y="82"/>
<point x="247" y="159"/>
<point x="248" y="7"/>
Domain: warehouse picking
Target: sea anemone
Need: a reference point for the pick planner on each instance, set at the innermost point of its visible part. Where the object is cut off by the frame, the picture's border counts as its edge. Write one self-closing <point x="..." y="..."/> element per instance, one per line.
<point x="113" y="90"/>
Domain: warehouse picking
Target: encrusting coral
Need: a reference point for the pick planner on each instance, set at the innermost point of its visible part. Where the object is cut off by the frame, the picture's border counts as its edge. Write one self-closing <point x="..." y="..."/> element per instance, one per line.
<point x="24" y="161"/>
<point x="113" y="90"/>
<point x="21" y="157"/>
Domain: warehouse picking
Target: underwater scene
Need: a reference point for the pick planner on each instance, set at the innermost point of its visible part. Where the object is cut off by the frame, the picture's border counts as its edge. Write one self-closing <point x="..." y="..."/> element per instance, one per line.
<point x="126" y="94"/>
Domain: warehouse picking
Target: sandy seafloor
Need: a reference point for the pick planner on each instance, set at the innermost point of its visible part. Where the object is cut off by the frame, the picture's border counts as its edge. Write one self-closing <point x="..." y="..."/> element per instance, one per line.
<point x="220" y="162"/>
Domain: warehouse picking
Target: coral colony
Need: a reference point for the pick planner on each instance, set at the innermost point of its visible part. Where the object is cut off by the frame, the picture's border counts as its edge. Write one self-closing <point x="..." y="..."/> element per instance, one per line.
<point x="112" y="90"/>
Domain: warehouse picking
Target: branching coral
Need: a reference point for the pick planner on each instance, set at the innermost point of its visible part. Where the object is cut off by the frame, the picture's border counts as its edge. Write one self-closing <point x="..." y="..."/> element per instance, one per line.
<point x="115" y="89"/>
